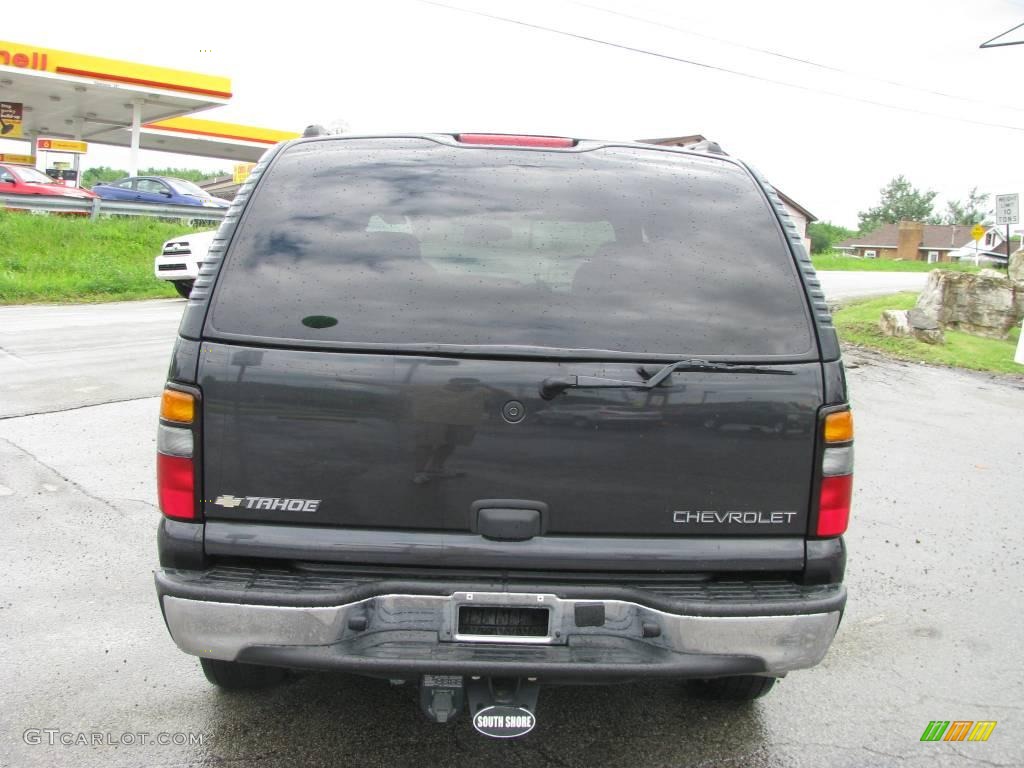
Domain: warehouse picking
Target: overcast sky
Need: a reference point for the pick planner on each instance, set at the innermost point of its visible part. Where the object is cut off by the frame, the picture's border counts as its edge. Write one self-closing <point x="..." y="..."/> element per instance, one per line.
<point x="405" y="65"/>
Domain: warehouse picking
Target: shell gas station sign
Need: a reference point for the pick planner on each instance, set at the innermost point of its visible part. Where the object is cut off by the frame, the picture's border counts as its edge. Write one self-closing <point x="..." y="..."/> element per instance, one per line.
<point x="17" y="159"/>
<point x="241" y="172"/>
<point x="62" y="145"/>
<point x="33" y="57"/>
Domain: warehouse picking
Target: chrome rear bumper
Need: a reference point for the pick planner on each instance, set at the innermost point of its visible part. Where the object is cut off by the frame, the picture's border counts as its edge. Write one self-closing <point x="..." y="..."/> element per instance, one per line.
<point x="418" y="634"/>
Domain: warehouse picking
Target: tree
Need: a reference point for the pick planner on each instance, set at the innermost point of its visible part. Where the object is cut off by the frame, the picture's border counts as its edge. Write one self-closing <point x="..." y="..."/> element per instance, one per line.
<point x="901" y="201"/>
<point x="100" y="175"/>
<point x="969" y="213"/>
<point x="824" y="235"/>
<point x="189" y="174"/>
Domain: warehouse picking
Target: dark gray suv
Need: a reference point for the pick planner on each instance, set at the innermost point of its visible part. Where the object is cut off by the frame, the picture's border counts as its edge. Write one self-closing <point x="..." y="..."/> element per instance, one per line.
<point x="487" y="412"/>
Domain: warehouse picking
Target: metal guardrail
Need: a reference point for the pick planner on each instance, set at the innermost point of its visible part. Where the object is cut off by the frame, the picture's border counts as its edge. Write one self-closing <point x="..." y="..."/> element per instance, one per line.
<point x="98" y="207"/>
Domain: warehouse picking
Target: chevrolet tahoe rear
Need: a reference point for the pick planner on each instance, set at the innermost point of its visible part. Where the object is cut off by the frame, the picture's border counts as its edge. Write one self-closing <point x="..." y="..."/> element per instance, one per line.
<point x="484" y="413"/>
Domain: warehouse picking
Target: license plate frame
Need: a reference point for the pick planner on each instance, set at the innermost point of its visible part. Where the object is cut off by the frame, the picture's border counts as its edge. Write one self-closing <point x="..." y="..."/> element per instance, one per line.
<point x="554" y="606"/>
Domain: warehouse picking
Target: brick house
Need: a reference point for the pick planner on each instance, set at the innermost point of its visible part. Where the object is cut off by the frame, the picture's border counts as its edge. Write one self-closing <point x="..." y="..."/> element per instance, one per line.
<point x="914" y="241"/>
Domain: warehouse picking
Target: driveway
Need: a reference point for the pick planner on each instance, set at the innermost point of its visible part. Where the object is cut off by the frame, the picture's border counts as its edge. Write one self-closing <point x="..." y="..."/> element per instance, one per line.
<point x="849" y="285"/>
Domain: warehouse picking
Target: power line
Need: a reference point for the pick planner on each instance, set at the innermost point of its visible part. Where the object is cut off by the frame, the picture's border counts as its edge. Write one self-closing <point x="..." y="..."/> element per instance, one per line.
<point x="724" y="70"/>
<point x="993" y="44"/>
<point x="808" y="62"/>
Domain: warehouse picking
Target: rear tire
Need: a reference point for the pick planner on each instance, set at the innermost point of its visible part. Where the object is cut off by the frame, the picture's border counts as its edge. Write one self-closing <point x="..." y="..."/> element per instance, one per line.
<point x="183" y="287"/>
<point x="236" y="676"/>
<point x="739" y="688"/>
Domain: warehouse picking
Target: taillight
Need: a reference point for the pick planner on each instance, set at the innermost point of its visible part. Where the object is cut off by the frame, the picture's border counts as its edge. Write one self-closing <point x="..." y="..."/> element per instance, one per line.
<point x="503" y="140"/>
<point x="177" y="406"/>
<point x="175" y="481"/>
<point x="839" y="427"/>
<point x="837" y="475"/>
<point x="175" y="458"/>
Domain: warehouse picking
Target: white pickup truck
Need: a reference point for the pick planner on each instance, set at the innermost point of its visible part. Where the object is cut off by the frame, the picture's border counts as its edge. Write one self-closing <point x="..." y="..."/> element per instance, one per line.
<point x="180" y="259"/>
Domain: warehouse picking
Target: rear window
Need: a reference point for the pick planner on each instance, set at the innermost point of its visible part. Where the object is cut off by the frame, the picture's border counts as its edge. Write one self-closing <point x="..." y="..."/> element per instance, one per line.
<point x="409" y="243"/>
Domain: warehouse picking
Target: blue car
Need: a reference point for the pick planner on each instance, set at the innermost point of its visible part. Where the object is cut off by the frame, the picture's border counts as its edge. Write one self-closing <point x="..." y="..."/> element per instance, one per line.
<point x="158" y="189"/>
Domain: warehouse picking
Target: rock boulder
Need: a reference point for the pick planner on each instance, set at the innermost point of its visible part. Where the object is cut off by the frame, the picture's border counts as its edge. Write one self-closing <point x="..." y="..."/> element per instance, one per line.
<point x="984" y="304"/>
<point x="895" y="322"/>
<point x="925" y="328"/>
<point x="912" y="323"/>
<point x="1016" y="269"/>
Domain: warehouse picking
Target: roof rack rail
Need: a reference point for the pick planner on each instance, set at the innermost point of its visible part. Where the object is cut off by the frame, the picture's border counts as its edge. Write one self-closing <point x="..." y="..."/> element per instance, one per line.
<point x="711" y="147"/>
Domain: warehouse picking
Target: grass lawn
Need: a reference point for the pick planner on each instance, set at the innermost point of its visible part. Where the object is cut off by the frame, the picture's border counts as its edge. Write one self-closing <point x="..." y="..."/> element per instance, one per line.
<point x="857" y="323"/>
<point x="65" y="259"/>
<point x="833" y="262"/>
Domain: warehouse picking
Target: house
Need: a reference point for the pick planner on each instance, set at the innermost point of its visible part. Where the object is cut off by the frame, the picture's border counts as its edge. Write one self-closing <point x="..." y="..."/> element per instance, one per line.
<point x="990" y="247"/>
<point x="800" y="215"/>
<point x="915" y="241"/>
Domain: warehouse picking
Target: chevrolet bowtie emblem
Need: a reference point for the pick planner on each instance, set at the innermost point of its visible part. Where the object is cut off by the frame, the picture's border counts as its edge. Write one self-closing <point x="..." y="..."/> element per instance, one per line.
<point x="228" y="501"/>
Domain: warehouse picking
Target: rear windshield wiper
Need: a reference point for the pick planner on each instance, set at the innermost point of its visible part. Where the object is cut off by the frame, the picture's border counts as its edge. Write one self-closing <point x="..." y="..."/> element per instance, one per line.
<point x="552" y="387"/>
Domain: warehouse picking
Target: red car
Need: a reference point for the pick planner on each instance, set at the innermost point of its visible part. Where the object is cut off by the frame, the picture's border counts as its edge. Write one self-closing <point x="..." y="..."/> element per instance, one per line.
<point x="25" y="180"/>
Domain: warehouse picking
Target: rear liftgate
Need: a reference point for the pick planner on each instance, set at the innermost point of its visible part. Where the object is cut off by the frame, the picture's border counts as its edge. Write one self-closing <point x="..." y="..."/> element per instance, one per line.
<point x="501" y="707"/>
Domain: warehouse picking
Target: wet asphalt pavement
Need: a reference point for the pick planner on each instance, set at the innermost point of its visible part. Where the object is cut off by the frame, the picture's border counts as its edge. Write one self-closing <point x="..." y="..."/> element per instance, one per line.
<point x="932" y="631"/>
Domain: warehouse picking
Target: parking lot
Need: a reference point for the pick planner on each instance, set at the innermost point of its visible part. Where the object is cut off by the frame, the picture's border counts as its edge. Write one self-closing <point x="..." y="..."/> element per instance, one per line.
<point x="931" y="630"/>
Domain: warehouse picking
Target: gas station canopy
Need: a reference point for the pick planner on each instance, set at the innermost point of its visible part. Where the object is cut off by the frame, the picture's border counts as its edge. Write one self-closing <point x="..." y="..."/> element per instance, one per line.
<point x="121" y="103"/>
<point x="207" y="138"/>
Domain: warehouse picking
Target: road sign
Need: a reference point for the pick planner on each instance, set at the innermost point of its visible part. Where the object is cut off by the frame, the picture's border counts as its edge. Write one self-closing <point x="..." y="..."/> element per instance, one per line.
<point x="62" y="145"/>
<point x="1008" y="209"/>
<point x="977" y="232"/>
